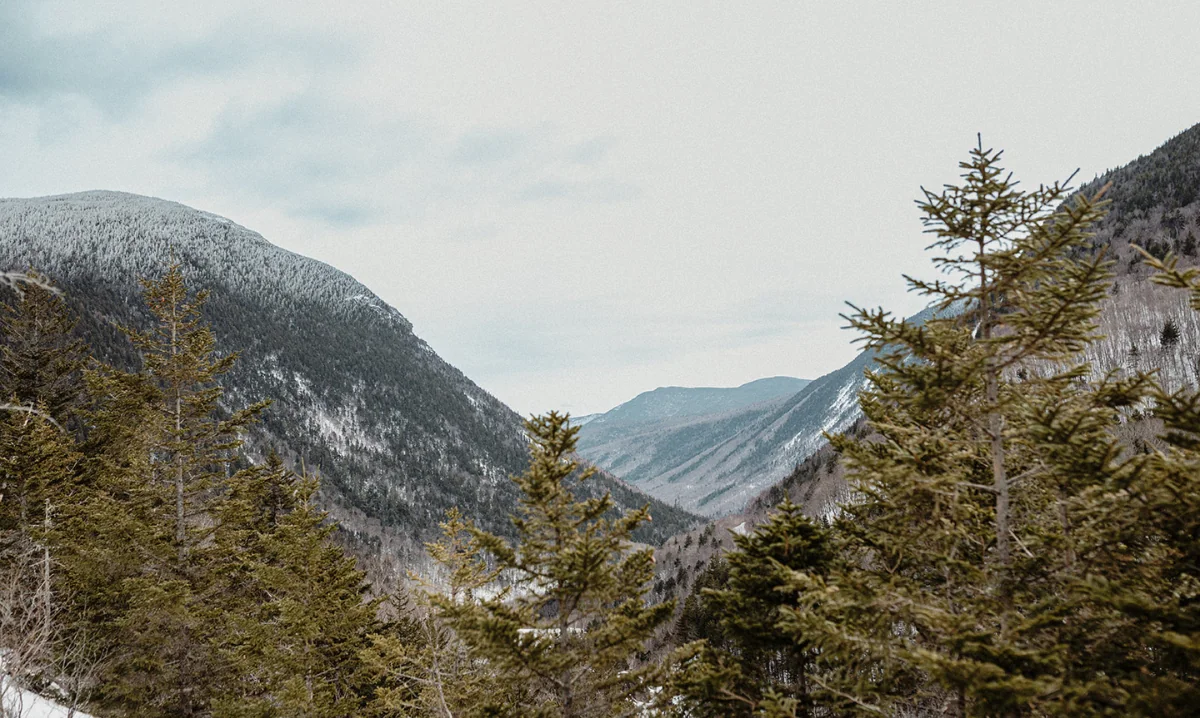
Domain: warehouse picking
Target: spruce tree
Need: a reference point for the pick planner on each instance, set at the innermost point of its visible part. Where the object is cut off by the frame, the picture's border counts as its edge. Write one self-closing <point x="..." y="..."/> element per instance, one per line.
<point x="38" y="473"/>
<point x="1147" y="528"/>
<point x="753" y="661"/>
<point x="165" y="463"/>
<point x="112" y="542"/>
<point x="574" y="618"/>
<point x="958" y="541"/>
<point x="41" y="357"/>
<point x="195" y="447"/>
<point x="293" y="614"/>
<point x="1169" y="336"/>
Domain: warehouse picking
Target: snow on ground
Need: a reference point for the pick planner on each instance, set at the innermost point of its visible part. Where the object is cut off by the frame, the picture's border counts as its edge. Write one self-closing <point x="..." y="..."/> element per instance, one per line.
<point x="25" y="704"/>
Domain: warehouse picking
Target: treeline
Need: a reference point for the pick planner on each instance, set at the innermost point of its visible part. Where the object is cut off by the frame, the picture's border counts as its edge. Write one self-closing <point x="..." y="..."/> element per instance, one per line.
<point x="1006" y="550"/>
<point x="149" y="568"/>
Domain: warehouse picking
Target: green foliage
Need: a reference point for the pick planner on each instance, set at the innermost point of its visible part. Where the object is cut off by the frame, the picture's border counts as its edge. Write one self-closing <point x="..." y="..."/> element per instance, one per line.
<point x="184" y="581"/>
<point x="41" y="358"/>
<point x="952" y="562"/>
<point x="574" y="616"/>
<point x="293" y="619"/>
<point x="421" y="667"/>
<point x="747" y="662"/>
<point x="193" y="448"/>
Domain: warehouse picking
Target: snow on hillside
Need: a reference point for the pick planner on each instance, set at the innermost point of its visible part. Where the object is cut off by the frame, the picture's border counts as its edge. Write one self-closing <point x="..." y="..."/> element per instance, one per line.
<point x="19" y="703"/>
<point x="397" y="434"/>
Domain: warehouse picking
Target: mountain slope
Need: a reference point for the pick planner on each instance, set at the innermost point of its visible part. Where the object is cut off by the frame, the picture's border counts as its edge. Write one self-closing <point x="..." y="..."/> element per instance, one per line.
<point x="713" y="465"/>
<point x="676" y="403"/>
<point x="1154" y="202"/>
<point x="398" y="434"/>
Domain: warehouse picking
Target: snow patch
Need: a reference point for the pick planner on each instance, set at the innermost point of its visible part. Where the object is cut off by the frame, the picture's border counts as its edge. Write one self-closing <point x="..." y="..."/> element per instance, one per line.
<point x="20" y="703"/>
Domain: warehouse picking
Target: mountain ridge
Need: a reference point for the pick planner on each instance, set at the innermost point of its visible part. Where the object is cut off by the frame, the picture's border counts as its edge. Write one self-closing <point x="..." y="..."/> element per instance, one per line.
<point x="1154" y="202"/>
<point x="714" y="465"/>
<point x="398" y="434"/>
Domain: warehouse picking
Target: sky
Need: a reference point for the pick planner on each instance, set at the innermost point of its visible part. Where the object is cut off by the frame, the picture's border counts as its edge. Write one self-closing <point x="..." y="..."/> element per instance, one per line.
<point x="577" y="202"/>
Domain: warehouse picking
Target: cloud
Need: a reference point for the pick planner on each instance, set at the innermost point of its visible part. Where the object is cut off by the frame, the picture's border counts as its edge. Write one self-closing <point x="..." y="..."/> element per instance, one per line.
<point x="601" y="190"/>
<point x="116" y="65"/>
<point x="318" y="155"/>
<point x="277" y="114"/>
<point x="491" y="147"/>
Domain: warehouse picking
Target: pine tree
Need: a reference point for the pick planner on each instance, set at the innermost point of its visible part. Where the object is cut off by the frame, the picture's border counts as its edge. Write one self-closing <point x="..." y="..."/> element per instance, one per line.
<point x="1147" y="528"/>
<point x="757" y="662"/>
<point x="420" y="665"/>
<point x="1169" y="336"/>
<point x="38" y="462"/>
<point x="41" y="357"/>
<point x="293" y="614"/>
<point x="195" y="447"/>
<point x="38" y="469"/>
<point x="164" y="463"/>
<point x="950" y="557"/>
<point x="575" y="617"/>
<point x="110" y="541"/>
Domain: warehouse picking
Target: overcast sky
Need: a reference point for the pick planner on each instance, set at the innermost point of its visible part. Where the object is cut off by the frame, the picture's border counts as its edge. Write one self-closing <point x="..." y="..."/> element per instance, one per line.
<point x="575" y="203"/>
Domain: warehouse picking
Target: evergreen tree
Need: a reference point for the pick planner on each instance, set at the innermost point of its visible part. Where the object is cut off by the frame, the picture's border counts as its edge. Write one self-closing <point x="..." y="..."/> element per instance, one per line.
<point x="38" y="473"/>
<point x="293" y="616"/>
<point x="168" y="460"/>
<point x="951" y="559"/>
<point x="421" y="666"/>
<point x="112" y="543"/>
<point x="568" y="629"/>
<point x="41" y="357"/>
<point x="194" y="448"/>
<point x="698" y="618"/>
<point x="1169" y="336"/>
<point x="1147" y="527"/>
<point x="752" y="661"/>
<point x="38" y="486"/>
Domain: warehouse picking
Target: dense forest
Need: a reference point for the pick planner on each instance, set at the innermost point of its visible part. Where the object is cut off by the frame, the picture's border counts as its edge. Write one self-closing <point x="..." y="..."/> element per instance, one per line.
<point x="398" y="434"/>
<point x="1021" y="534"/>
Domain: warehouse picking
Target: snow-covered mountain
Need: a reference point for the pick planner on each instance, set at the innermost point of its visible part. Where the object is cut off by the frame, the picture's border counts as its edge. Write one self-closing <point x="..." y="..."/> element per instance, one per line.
<point x="397" y="434"/>
<point x="713" y="462"/>
<point x="676" y="403"/>
<point x="716" y="464"/>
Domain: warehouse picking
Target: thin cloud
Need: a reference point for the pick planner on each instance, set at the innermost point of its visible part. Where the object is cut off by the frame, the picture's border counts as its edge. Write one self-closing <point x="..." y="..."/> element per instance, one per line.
<point x="319" y="156"/>
<point x="116" y="68"/>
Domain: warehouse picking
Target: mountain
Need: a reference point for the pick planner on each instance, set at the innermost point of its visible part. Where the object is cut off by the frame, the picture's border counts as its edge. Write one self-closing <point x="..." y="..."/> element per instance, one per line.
<point x="675" y="403"/>
<point x="397" y="434"/>
<point x="1154" y="202"/>
<point x="715" y="464"/>
<point x="665" y="443"/>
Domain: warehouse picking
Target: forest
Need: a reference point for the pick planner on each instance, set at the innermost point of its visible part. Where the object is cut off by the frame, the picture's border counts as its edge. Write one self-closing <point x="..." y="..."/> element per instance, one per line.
<point x="1021" y="536"/>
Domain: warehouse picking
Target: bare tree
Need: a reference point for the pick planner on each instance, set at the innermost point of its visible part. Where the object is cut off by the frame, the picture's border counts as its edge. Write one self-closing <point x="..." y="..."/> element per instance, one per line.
<point x="28" y="624"/>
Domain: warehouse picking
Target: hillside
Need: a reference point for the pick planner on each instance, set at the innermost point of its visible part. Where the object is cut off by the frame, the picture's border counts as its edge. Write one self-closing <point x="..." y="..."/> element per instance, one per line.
<point x="397" y="434"/>
<point x="1155" y="204"/>
<point x="676" y="403"/>
<point x="715" y="464"/>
